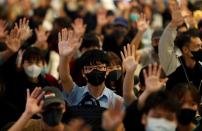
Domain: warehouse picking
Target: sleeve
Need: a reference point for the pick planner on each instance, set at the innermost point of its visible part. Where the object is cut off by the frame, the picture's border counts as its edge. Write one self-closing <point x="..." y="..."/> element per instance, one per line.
<point x="167" y="56"/>
<point x="75" y="96"/>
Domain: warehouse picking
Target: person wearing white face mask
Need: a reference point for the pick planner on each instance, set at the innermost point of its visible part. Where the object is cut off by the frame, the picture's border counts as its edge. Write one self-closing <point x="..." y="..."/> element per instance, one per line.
<point x="28" y="76"/>
<point x="160" y="112"/>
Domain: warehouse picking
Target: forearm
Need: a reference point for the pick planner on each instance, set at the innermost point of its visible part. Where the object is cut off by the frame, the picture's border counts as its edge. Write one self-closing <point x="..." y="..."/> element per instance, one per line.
<point x="21" y="122"/>
<point x="64" y="72"/>
<point x="137" y="39"/>
<point x="5" y="55"/>
<point x="128" y="85"/>
<point x="98" y="29"/>
<point x="167" y="55"/>
<point x="142" y="98"/>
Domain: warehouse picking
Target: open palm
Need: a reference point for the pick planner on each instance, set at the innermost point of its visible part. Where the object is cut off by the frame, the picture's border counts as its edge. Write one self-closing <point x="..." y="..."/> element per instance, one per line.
<point x="69" y="41"/>
<point x="152" y="78"/>
<point x="128" y="57"/>
<point x="13" y="42"/>
<point x="142" y="23"/>
<point x="34" y="101"/>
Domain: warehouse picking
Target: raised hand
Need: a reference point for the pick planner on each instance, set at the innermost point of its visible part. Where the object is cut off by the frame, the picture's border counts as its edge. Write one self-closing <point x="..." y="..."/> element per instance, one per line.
<point x="25" y="31"/>
<point x="34" y="101"/>
<point x="113" y="117"/>
<point x="152" y="78"/>
<point x="142" y="23"/>
<point x="101" y="19"/>
<point x="3" y="29"/>
<point x="79" y="27"/>
<point x="42" y="37"/>
<point x="129" y="62"/>
<point x="13" y="41"/>
<point x="69" y="42"/>
<point x="41" y="34"/>
<point x="176" y="13"/>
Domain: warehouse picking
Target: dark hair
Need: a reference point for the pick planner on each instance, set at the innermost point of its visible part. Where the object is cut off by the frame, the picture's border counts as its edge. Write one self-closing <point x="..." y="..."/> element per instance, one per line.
<point x="33" y="53"/>
<point x="114" y="58"/>
<point x="141" y="75"/>
<point x="90" y="40"/>
<point x="200" y="24"/>
<point x="184" y="38"/>
<point x="93" y="57"/>
<point x="163" y="100"/>
<point x="180" y="90"/>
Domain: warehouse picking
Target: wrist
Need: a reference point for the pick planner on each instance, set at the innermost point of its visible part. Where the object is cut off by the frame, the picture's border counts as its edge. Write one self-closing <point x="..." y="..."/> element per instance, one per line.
<point x="27" y="114"/>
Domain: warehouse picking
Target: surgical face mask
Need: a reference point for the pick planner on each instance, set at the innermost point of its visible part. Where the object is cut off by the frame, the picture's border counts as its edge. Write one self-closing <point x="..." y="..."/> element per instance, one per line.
<point x="96" y="77"/>
<point x="134" y="17"/>
<point x="186" y="116"/>
<point x="33" y="71"/>
<point x="52" y="117"/>
<point x="44" y="70"/>
<point x="114" y="75"/>
<point x="197" y="55"/>
<point x="160" y="124"/>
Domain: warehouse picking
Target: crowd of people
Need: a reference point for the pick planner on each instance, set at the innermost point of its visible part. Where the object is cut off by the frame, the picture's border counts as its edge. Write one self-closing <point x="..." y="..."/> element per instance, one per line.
<point x="101" y="65"/>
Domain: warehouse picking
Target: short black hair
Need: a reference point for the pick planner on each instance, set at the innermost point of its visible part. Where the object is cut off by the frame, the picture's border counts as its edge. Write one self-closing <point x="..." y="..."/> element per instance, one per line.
<point x="90" y="40"/>
<point x="93" y="57"/>
<point x="181" y="89"/>
<point x="184" y="38"/>
<point x="33" y="53"/>
<point x="163" y="100"/>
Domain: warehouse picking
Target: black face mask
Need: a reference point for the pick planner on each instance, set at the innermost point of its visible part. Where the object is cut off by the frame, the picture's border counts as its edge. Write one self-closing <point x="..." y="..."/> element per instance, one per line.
<point x="155" y="49"/>
<point x="118" y="33"/>
<point x="114" y="75"/>
<point x="186" y="116"/>
<point x="52" y="117"/>
<point x="96" y="77"/>
<point x="197" y="55"/>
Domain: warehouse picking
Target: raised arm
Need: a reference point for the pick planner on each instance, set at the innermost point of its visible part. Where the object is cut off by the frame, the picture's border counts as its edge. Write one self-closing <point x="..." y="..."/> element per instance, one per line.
<point x="69" y="42"/>
<point x="142" y="25"/>
<point x="129" y="65"/>
<point x="167" y="55"/>
<point x="152" y="83"/>
<point x="33" y="106"/>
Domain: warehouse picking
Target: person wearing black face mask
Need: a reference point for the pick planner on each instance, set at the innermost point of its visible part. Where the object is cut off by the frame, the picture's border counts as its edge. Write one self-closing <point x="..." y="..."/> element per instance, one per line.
<point x="94" y="70"/>
<point x="182" y="67"/>
<point x="114" y="79"/>
<point x="48" y="101"/>
<point x="189" y="99"/>
<point x="150" y="55"/>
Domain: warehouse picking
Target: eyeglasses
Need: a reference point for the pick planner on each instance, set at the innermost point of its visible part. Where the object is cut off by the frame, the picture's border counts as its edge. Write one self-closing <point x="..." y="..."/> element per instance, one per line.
<point x="101" y="67"/>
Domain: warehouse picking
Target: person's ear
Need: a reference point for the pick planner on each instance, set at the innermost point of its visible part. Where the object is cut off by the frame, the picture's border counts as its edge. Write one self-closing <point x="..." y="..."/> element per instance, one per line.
<point x="185" y="49"/>
<point x="83" y="74"/>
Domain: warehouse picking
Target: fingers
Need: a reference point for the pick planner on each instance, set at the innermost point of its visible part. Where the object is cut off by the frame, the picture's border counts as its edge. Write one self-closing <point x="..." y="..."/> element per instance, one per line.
<point x="28" y="93"/>
<point x="37" y="91"/>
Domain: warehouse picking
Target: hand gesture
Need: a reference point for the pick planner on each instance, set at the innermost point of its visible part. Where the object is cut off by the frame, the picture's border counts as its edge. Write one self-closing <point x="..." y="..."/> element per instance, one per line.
<point x="142" y="23"/>
<point x="3" y="31"/>
<point x="101" y="19"/>
<point x="177" y="18"/>
<point x="25" y="31"/>
<point x="69" y="42"/>
<point x="79" y="27"/>
<point x="152" y="78"/>
<point x="34" y="101"/>
<point x="41" y="34"/>
<point x="128" y="58"/>
<point x="113" y="117"/>
<point x="13" y="41"/>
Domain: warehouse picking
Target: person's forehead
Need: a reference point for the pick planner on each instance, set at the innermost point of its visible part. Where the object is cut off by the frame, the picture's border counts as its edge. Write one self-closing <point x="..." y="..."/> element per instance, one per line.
<point x="161" y="112"/>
